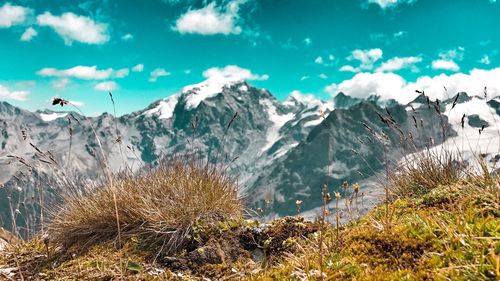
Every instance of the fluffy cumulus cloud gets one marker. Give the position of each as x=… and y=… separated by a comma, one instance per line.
x=232, y=73
x=366, y=58
x=6, y=93
x=106, y=86
x=362, y=85
x=155, y=74
x=211, y=19
x=11, y=15
x=447, y=59
x=29, y=34
x=384, y=4
x=84, y=72
x=73, y=27
x=138, y=68
x=398, y=63
x=348, y=68
x=392, y=86
x=442, y=64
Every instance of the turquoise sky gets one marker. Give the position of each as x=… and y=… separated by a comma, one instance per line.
x=49, y=48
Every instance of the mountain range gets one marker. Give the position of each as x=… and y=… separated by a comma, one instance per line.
x=281, y=153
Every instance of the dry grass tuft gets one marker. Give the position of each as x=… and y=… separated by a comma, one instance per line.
x=424, y=171
x=160, y=207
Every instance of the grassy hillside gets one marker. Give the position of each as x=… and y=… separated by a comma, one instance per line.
x=449, y=230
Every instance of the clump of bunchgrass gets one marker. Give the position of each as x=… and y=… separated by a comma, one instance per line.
x=159, y=206
x=424, y=171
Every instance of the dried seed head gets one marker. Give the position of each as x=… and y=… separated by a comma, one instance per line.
x=337, y=195
x=46, y=238
x=346, y=185
x=328, y=197
x=298, y=202
x=356, y=187
x=59, y=101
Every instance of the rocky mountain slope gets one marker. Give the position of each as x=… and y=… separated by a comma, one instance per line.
x=280, y=152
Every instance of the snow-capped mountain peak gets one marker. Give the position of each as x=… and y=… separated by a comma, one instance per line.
x=165, y=107
x=196, y=93
x=297, y=98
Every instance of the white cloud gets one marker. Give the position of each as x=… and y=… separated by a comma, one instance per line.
x=305, y=77
x=6, y=93
x=11, y=15
x=84, y=72
x=453, y=54
x=29, y=34
x=349, y=68
x=322, y=76
x=393, y=86
x=448, y=59
x=121, y=73
x=485, y=60
x=73, y=27
x=319, y=60
x=128, y=37
x=331, y=57
x=384, y=4
x=366, y=57
x=445, y=65
x=106, y=86
x=307, y=41
x=362, y=85
x=187, y=71
x=232, y=73
x=159, y=72
x=398, y=63
x=399, y=34
x=211, y=19
x=138, y=68
x=388, y=38
x=60, y=84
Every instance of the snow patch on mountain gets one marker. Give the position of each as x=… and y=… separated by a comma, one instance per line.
x=313, y=122
x=472, y=140
x=165, y=108
x=243, y=88
x=298, y=98
x=197, y=93
x=52, y=116
x=278, y=121
x=282, y=151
